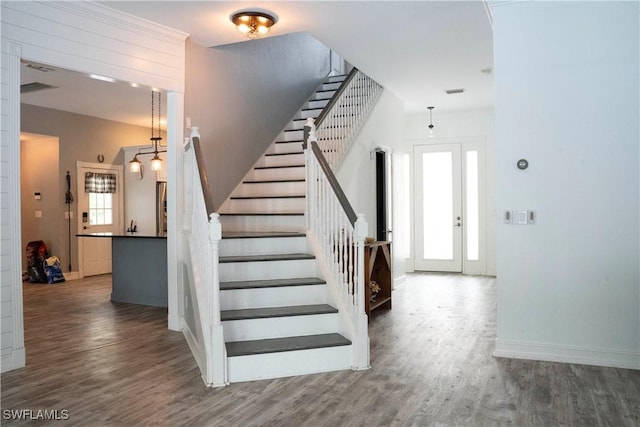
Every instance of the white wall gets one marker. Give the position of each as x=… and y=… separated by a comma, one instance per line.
x=90, y=38
x=567, y=95
x=357, y=174
x=450, y=127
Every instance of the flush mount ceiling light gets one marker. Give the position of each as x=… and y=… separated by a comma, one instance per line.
x=156, y=162
x=253, y=23
x=430, y=121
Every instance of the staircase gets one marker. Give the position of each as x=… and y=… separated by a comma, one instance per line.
x=277, y=314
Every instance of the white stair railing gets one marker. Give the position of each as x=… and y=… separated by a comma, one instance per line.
x=337, y=236
x=343, y=117
x=203, y=232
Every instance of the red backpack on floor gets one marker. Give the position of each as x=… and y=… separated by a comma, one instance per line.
x=36, y=254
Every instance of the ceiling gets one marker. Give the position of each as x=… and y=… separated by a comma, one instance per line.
x=416, y=49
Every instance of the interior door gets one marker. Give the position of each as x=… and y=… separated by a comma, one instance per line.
x=98, y=212
x=438, y=207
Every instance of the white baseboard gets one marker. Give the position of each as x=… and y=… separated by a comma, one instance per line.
x=13, y=359
x=194, y=346
x=399, y=281
x=71, y=275
x=567, y=354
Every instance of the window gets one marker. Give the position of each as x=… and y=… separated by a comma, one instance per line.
x=100, y=209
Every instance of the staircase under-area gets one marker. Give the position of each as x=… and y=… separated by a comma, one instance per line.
x=278, y=317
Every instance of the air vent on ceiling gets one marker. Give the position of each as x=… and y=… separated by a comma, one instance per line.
x=452, y=91
x=34, y=87
x=38, y=67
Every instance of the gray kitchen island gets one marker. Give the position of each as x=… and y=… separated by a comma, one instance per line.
x=139, y=268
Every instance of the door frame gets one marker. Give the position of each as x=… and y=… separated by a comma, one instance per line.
x=470, y=143
x=80, y=186
x=455, y=264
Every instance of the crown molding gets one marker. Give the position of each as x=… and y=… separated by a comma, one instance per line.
x=112, y=17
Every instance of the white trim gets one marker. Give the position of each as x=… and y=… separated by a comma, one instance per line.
x=80, y=190
x=175, y=301
x=90, y=38
x=567, y=354
x=399, y=281
x=194, y=347
x=14, y=51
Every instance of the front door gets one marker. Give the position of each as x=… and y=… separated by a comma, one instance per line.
x=449, y=190
x=438, y=208
x=99, y=211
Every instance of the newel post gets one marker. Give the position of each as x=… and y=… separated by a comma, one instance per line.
x=217, y=369
x=361, y=356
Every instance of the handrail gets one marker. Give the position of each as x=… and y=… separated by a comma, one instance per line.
x=336, y=96
x=343, y=117
x=333, y=181
x=204, y=180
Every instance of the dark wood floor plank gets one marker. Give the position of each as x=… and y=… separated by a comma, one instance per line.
x=117, y=365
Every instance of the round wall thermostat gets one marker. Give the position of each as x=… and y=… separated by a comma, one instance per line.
x=100, y=158
x=522, y=164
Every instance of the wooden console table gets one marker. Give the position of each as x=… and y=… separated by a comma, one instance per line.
x=377, y=267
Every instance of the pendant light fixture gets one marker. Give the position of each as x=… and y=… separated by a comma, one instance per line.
x=430, y=122
x=135, y=165
x=253, y=23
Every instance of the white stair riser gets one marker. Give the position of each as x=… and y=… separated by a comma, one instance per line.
x=285, y=160
x=293, y=135
x=331, y=86
x=267, y=270
x=295, y=125
x=288, y=363
x=322, y=95
x=304, y=114
x=291, y=147
x=280, y=327
x=335, y=79
x=270, y=188
x=317, y=104
x=288, y=205
x=238, y=299
x=263, y=246
x=276, y=173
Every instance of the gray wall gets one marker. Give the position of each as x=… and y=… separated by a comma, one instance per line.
x=39, y=163
x=81, y=138
x=243, y=94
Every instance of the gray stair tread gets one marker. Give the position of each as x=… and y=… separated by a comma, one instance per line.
x=273, y=283
x=269, y=181
x=262, y=214
x=269, y=312
x=257, y=258
x=296, y=153
x=282, y=196
x=295, y=141
x=260, y=234
x=278, y=345
x=278, y=167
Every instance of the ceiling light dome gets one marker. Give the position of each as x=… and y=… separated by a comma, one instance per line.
x=253, y=23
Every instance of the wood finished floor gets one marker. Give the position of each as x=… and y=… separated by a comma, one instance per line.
x=117, y=365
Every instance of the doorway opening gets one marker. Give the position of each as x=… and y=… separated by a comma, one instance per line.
x=449, y=207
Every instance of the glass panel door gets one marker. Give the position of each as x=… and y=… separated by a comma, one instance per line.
x=438, y=207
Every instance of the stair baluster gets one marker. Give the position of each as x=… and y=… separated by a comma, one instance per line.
x=337, y=235
x=202, y=232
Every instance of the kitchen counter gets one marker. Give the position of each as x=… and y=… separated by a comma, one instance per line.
x=128, y=235
x=139, y=268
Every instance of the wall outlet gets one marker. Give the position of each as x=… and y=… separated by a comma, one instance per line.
x=38, y=214
x=68, y=215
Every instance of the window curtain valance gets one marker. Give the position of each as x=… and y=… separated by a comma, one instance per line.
x=99, y=182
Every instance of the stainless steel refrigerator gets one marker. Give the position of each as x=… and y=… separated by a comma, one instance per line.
x=161, y=208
